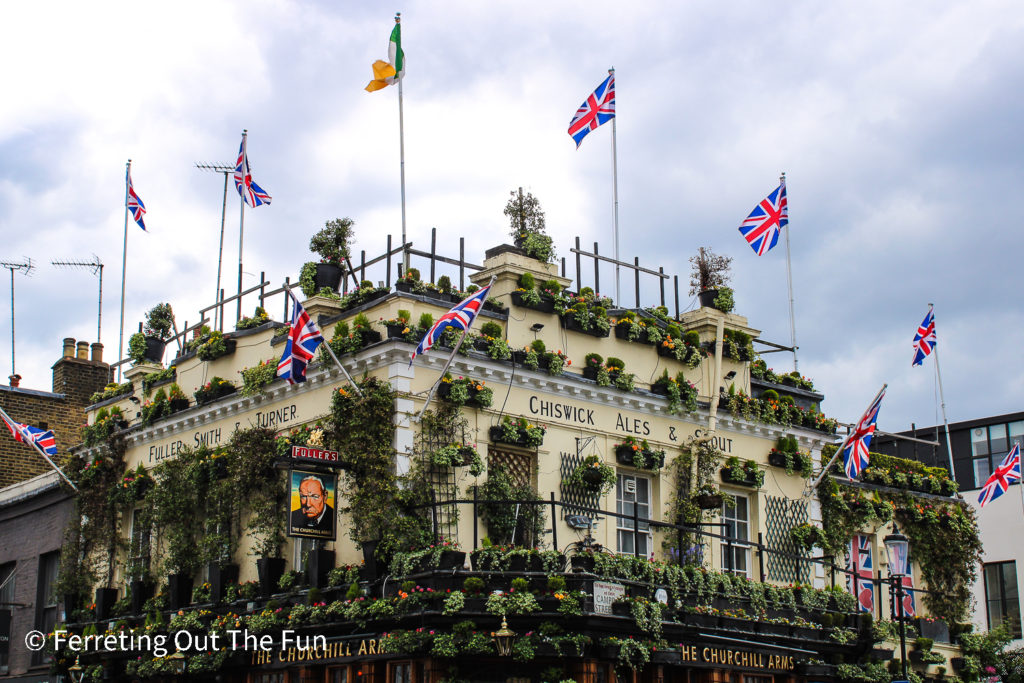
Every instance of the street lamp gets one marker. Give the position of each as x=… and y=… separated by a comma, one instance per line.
x=503, y=638
x=76, y=672
x=179, y=661
x=897, y=547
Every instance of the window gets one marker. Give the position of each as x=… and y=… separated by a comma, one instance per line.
x=735, y=558
x=138, y=559
x=989, y=445
x=303, y=547
x=401, y=673
x=633, y=492
x=339, y=675
x=46, y=601
x=1001, y=598
x=7, y=579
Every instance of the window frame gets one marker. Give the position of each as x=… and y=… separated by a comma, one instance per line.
x=1002, y=598
x=740, y=545
x=624, y=525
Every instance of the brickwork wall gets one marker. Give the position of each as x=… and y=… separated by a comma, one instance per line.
x=63, y=411
x=42, y=519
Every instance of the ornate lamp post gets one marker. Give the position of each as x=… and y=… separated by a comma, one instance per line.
x=503, y=638
x=897, y=547
x=76, y=672
x=179, y=661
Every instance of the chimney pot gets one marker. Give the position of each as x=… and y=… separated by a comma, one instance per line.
x=83, y=350
x=97, y=352
x=69, y=347
x=15, y=380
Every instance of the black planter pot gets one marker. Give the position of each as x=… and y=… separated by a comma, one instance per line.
x=451, y=559
x=707, y=298
x=582, y=563
x=569, y=323
x=915, y=656
x=750, y=481
x=957, y=663
x=482, y=345
x=155, y=349
x=777, y=458
x=708, y=501
x=370, y=337
x=590, y=373
x=497, y=436
x=404, y=286
x=328, y=275
x=269, y=570
x=141, y=592
x=220, y=577
x=622, y=332
x=546, y=305
x=177, y=404
x=71, y=602
x=180, y=590
x=517, y=563
x=592, y=478
x=105, y=599
x=395, y=331
x=371, y=566
x=320, y=563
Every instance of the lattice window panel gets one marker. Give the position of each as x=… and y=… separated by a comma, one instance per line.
x=782, y=514
x=518, y=466
x=574, y=496
x=443, y=480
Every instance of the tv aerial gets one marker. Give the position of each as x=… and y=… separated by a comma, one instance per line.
x=96, y=266
x=25, y=268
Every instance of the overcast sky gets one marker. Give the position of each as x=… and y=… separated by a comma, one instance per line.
x=898, y=126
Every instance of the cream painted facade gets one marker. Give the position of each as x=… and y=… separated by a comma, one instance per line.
x=567, y=405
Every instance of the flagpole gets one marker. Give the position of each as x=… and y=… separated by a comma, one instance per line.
x=942, y=400
x=401, y=141
x=241, y=223
x=124, y=263
x=615, y=195
x=220, y=257
x=842, y=446
x=433, y=387
x=330, y=351
x=31, y=441
x=789, y=282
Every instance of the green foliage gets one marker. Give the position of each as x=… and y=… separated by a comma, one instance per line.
x=501, y=519
x=361, y=427
x=159, y=321
x=307, y=279
x=332, y=242
x=593, y=475
x=259, y=317
x=213, y=347
x=724, y=301
x=491, y=329
x=137, y=348
x=254, y=379
x=426, y=321
x=527, y=282
x=526, y=221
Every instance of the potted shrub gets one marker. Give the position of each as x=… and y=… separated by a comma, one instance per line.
x=592, y=364
x=216, y=388
x=526, y=221
x=709, y=272
x=745, y=473
x=410, y=282
x=149, y=345
x=332, y=244
x=176, y=398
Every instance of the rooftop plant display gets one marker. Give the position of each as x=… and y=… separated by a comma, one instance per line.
x=527, y=228
x=709, y=271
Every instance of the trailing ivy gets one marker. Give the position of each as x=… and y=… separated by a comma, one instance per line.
x=943, y=536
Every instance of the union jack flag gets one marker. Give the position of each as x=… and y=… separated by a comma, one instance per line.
x=598, y=108
x=1007, y=473
x=924, y=340
x=859, y=562
x=461, y=317
x=252, y=194
x=909, y=608
x=303, y=339
x=27, y=433
x=761, y=228
x=134, y=204
x=855, y=452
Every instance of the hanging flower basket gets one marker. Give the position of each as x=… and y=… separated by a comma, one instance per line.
x=708, y=501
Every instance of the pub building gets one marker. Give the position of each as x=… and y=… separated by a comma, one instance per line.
x=629, y=499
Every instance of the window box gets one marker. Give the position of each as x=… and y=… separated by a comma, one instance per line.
x=569, y=323
x=546, y=305
x=750, y=480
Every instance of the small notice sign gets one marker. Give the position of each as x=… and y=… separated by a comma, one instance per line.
x=605, y=594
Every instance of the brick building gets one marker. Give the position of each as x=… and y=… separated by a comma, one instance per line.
x=36, y=509
x=76, y=376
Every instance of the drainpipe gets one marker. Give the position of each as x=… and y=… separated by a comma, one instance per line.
x=716, y=375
